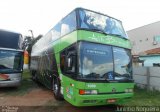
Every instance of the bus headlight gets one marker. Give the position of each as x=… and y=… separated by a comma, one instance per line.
x=87, y=92
x=129, y=90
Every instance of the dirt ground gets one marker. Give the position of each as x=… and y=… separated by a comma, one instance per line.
x=39, y=99
x=35, y=97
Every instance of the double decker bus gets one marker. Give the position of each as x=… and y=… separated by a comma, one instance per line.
x=85, y=59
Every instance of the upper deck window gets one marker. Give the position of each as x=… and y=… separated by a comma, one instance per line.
x=96, y=21
x=82, y=19
x=68, y=24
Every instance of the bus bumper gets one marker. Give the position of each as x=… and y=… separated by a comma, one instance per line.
x=94, y=100
x=12, y=80
x=10, y=83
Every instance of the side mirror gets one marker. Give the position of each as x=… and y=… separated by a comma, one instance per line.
x=69, y=62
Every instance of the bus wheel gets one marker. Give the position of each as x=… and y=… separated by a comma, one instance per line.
x=34, y=75
x=56, y=87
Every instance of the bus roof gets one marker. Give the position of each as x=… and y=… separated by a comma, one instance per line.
x=10, y=39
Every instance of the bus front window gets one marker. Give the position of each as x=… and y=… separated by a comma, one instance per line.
x=122, y=62
x=95, y=60
x=104, y=62
x=10, y=61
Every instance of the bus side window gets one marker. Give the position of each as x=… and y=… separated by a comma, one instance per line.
x=68, y=61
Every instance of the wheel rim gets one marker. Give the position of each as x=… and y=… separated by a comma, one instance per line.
x=55, y=87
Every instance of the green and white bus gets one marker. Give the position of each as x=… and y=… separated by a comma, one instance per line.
x=85, y=59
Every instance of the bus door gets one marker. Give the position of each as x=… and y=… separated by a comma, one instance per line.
x=69, y=71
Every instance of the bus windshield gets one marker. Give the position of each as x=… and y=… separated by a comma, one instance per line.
x=10, y=61
x=98, y=22
x=103, y=62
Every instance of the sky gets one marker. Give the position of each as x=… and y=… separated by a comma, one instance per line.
x=41, y=15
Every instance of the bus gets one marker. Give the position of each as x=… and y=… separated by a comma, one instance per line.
x=11, y=59
x=85, y=59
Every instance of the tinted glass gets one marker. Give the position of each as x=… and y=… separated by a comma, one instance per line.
x=122, y=62
x=65, y=26
x=10, y=61
x=103, y=62
x=95, y=21
x=95, y=60
x=56, y=31
x=10, y=40
x=68, y=24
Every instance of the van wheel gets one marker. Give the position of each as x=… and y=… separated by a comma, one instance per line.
x=56, y=87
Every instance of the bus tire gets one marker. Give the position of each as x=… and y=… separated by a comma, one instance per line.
x=56, y=88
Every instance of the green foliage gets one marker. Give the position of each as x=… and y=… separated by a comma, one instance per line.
x=29, y=42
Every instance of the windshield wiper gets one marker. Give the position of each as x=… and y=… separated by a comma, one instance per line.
x=115, y=76
x=122, y=76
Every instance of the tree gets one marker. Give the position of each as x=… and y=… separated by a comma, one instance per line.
x=28, y=43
